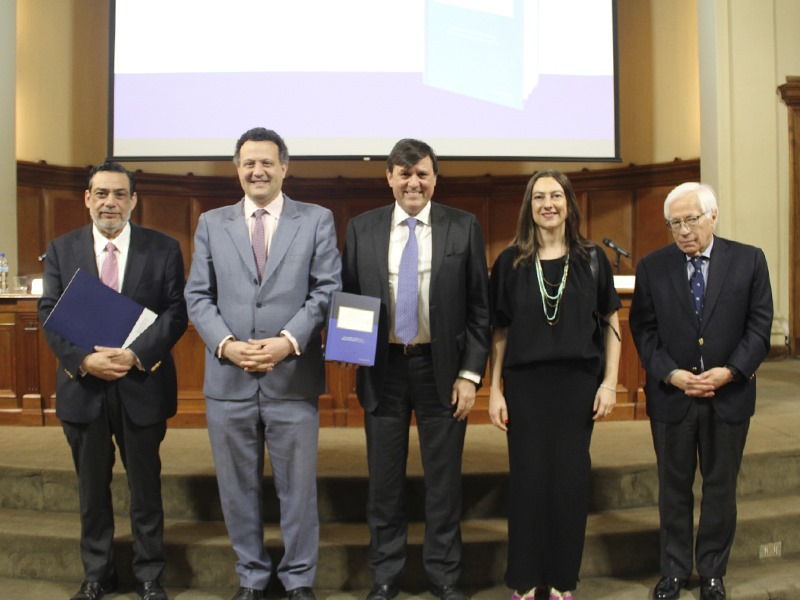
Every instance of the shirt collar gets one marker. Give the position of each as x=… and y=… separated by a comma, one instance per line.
x=706, y=253
x=399, y=215
x=274, y=208
x=122, y=241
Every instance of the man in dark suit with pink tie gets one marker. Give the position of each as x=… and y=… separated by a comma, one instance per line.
x=122, y=395
x=701, y=317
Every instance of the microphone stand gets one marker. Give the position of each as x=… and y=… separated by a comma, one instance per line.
x=617, y=259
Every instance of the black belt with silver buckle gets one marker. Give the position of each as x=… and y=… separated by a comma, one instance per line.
x=412, y=349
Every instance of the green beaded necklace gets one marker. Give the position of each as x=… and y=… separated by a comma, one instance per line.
x=553, y=301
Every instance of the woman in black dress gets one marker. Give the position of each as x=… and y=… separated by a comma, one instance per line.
x=555, y=356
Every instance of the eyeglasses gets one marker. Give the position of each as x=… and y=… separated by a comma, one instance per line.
x=691, y=223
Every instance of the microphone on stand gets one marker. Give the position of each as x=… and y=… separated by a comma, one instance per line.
x=611, y=244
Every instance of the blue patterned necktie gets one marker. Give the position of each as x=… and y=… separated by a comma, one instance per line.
x=405, y=318
x=698, y=285
x=259, y=241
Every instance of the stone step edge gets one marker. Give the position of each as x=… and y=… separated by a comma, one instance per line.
x=764, y=580
x=60, y=525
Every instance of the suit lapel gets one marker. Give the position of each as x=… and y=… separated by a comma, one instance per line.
x=282, y=237
x=717, y=271
x=440, y=226
x=237, y=230
x=83, y=249
x=135, y=265
x=381, y=230
x=680, y=281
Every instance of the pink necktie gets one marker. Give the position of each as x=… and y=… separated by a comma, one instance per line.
x=110, y=271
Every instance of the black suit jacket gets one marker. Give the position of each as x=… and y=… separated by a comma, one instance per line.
x=154, y=278
x=459, y=304
x=735, y=330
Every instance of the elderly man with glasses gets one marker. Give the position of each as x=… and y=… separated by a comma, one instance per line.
x=701, y=317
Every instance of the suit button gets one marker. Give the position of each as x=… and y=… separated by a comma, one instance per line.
x=258, y=305
x=700, y=341
x=694, y=369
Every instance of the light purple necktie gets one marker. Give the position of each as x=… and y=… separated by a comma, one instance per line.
x=406, y=324
x=109, y=274
x=259, y=241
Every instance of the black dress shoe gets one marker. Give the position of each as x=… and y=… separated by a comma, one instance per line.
x=151, y=590
x=248, y=594
x=448, y=592
x=712, y=588
x=95, y=590
x=668, y=588
x=383, y=591
x=301, y=593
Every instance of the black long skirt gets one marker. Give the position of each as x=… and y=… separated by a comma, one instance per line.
x=549, y=432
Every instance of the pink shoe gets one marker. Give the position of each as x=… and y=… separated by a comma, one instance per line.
x=556, y=595
x=529, y=595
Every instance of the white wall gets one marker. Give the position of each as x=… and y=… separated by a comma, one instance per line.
x=747, y=48
x=8, y=163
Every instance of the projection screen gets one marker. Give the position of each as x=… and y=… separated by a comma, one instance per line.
x=477, y=79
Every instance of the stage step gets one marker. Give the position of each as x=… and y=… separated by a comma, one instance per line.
x=620, y=543
x=771, y=579
x=39, y=525
x=342, y=499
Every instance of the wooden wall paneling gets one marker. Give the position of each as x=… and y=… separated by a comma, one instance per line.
x=27, y=333
x=503, y=216
x=609, y=214
x=651, y=232
x=170, y=215
x=9, y=387
x=189, y=356
x=30, y=227
x=64, y=210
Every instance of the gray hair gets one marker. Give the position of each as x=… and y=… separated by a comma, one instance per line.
x=704, y=192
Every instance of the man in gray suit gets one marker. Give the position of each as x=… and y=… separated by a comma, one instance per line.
x=261, y=278
x=433, y=341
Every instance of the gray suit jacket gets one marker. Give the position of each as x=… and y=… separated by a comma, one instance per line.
x=459, y=296
x=225, y=298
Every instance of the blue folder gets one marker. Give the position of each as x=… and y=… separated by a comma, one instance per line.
x=89, y=314
x=352, y=332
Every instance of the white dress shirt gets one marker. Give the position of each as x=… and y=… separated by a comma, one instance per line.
x=398, y=237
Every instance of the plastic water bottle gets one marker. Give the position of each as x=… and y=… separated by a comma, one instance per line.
x=3, y=273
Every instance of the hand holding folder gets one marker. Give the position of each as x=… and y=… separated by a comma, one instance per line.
x=90, y=314
x=352, y=332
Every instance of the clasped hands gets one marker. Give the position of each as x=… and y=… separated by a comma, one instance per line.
x=108, y=364
x=258, y=355
x=703, y=385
